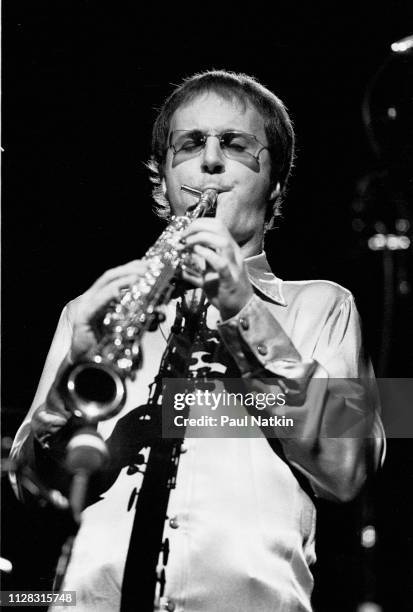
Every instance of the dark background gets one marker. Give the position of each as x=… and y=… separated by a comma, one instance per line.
x=81, y=82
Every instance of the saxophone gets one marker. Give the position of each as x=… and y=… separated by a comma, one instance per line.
x=95, y=388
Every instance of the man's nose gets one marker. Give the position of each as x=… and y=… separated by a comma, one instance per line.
x=213, y=159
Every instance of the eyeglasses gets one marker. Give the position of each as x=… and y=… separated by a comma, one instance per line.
x=235, y=145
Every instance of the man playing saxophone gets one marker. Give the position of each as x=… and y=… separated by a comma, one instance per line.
x=241, y=518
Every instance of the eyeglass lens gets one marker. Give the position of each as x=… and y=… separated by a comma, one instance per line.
x=234, y=145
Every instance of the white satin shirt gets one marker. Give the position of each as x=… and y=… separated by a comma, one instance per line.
x=243, y=534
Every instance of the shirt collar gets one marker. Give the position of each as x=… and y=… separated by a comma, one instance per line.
x=263, y=279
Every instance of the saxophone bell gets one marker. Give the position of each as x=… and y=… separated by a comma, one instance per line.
x=95, y=391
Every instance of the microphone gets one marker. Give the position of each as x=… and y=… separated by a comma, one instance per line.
x=86, y=454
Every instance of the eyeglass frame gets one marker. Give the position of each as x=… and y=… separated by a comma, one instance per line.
x=220, y=136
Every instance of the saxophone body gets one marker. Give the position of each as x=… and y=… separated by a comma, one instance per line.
x=95, y=389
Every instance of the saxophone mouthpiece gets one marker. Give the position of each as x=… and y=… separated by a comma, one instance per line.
x=206, y=203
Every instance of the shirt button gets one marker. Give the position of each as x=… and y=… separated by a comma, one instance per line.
x=244, y=323
x=167, y=604
x=173, y=522
x=262, y=349
x=183, y=449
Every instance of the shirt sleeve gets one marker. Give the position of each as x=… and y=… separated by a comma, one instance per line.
x=24, y=450
x=337, y=436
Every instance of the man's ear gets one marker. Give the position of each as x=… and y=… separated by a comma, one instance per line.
x=163, y=186
x=275, y=192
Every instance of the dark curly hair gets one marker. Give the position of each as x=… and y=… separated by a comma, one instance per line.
x=229, y=85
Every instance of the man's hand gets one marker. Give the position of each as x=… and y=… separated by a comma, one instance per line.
x=105, y=289
x=225, y=280
x=52, y=415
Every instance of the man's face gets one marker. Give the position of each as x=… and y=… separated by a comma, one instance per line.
x=244, y=187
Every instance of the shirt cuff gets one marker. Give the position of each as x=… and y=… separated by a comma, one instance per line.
x=255, y=330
